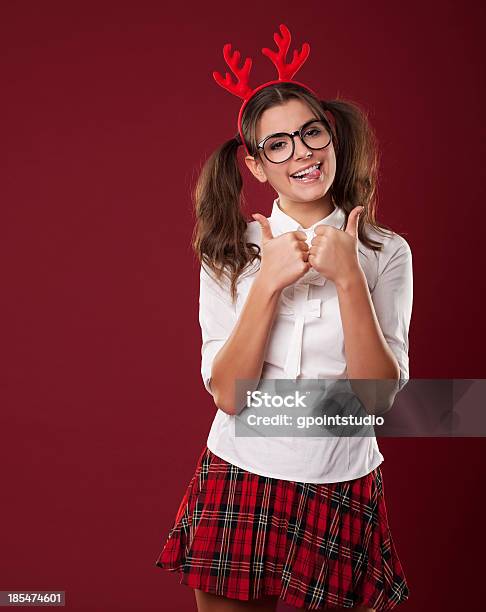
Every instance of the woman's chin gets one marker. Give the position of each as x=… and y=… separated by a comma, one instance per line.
x=311, y=191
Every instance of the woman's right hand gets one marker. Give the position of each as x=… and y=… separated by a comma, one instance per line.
x=284, y=258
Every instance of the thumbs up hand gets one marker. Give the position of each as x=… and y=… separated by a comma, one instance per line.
x=334, y=252
x=284, y=258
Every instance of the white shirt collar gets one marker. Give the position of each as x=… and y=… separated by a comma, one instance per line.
x=281, y=222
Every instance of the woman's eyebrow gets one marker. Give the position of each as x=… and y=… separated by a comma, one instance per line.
x=284, y=132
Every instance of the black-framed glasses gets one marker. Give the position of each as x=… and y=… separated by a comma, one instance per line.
x=278, y=148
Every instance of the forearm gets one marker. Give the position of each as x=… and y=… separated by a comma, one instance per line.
x=368, y=355
x=242, y=356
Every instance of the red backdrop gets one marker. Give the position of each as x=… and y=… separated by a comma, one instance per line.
x=109, y=110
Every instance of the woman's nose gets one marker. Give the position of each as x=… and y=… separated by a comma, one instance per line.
x=300, y=148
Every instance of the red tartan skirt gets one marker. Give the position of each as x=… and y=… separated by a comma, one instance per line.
x=245, y=536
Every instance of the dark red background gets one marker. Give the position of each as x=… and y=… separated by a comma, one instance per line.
x=109, y=109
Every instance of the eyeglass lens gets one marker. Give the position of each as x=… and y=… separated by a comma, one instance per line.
x=279, y=148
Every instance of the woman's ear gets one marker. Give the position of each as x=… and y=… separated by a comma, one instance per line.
x=256, y=168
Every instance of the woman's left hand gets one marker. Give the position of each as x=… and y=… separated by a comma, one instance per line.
x=334, y=252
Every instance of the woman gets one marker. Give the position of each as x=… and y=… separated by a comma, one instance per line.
x=308, y=293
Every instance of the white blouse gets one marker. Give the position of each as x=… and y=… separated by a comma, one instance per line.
x=307, y=341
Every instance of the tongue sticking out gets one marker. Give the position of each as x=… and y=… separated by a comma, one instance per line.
x=310, y=176
x=314, y=174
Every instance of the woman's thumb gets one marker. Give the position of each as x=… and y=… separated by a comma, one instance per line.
x=265, y=225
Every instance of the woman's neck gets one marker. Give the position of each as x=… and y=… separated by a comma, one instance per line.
x=307, y=213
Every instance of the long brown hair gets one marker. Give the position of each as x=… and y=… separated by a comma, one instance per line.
x=219, y=233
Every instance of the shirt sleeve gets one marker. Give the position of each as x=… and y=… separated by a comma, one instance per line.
x=392, y=297
x=217, y=318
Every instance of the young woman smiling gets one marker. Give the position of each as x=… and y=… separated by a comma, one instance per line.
x=318, y=290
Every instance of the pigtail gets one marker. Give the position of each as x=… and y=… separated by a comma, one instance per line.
x=357, y=160
x=219, y=233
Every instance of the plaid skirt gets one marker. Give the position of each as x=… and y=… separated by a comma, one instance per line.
x=245, y=536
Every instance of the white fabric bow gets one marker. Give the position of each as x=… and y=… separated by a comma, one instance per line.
x=301, y=308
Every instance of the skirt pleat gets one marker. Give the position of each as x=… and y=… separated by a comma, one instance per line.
x=245, y=536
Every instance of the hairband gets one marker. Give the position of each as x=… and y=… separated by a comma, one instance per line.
x=286, y=71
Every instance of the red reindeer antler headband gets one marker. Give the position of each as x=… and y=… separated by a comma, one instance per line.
x=241, y=87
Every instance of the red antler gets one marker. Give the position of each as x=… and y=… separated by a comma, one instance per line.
x=286, y=71
x=240, y=88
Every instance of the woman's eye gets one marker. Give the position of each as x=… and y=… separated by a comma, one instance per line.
x=278, y=145
x=313, y=132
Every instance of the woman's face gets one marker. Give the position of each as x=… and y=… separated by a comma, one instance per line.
x=288, y=117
